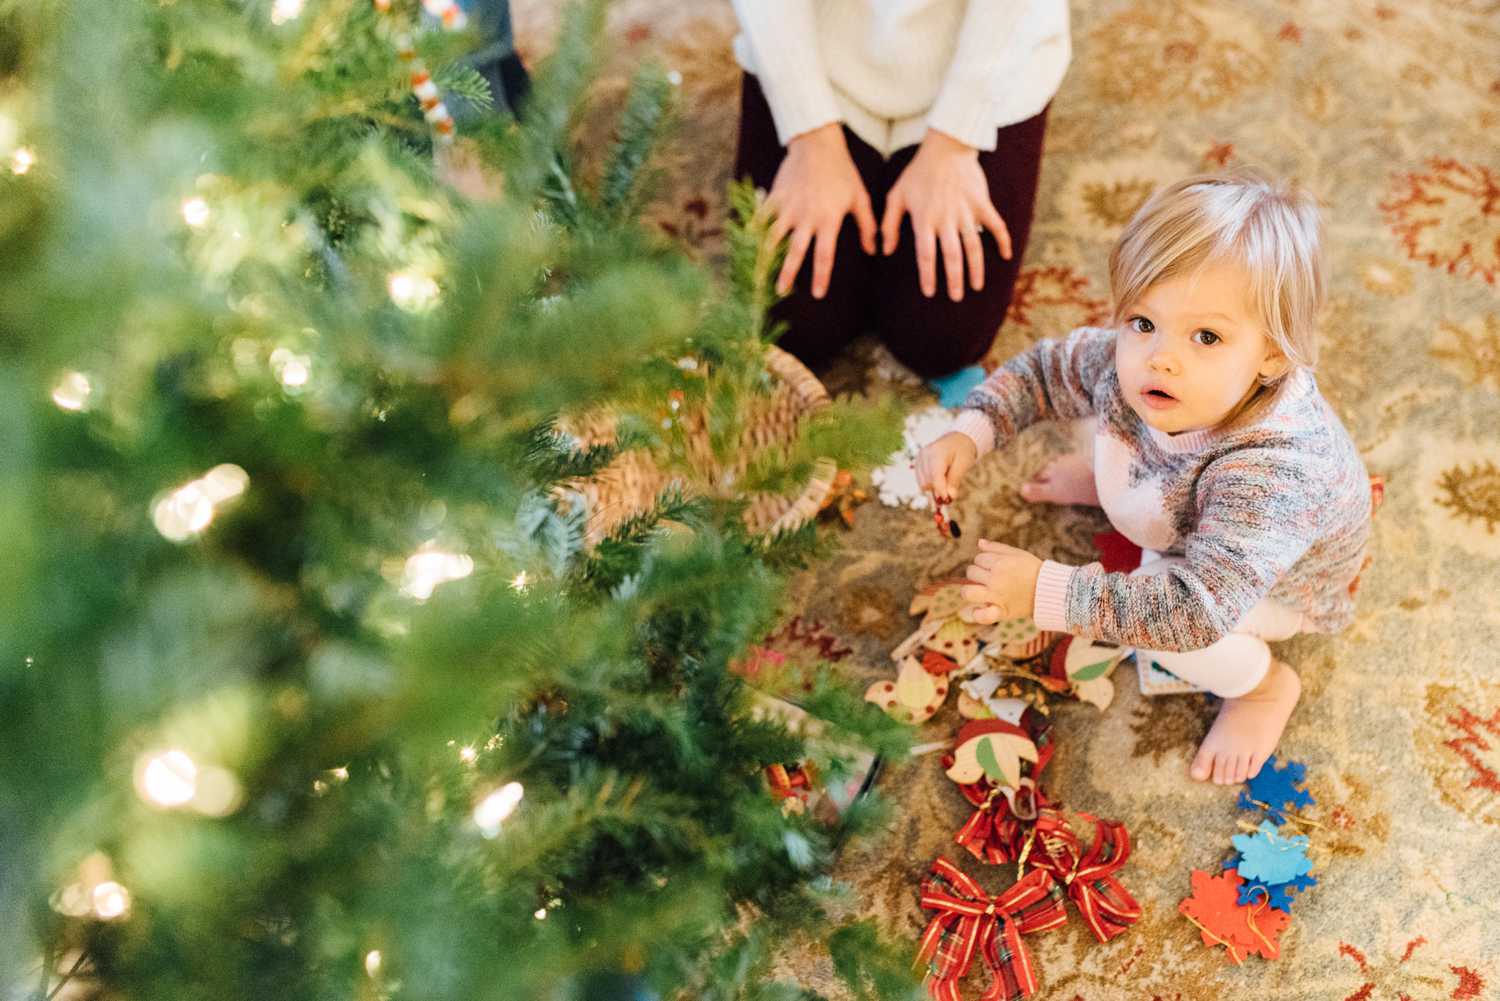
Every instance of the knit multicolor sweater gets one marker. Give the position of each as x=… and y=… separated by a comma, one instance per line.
x=1278, y=507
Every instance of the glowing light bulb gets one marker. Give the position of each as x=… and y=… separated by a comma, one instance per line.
x=22, y=160
x=541, y=914
x=166, y=778
x=182, y=513
x=468, y=755
x=372, y=962
x=111, y=900
x=75, y=900
x=494, y=808
x=412, y=290
x=427, y=568
x=291, y=368
x=224, y=482
x=72, y=391
x=340, y=773
x=520, y=582
x=194, y=211
x=283, y=11
x=218, y=792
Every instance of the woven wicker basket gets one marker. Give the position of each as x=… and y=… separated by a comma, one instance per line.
x=631, y=484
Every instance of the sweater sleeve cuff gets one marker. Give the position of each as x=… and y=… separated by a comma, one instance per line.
x=976, y=424
x=1052, y=596
x=800, y=108
x=968, y=117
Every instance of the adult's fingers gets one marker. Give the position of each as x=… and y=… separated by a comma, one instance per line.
x=780, y=227
x=864, y=218
x=974, y=251
x=794, y=255
x=828, y=239
x=890, y=223
x=926, y=258
x=990, y=217
x=953, y=262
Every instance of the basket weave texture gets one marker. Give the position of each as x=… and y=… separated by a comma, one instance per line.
x=631, y=484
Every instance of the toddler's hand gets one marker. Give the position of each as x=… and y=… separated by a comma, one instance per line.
x=1004, y=583
x=942, y=465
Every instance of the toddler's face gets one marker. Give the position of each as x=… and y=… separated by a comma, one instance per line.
x=1191, y=349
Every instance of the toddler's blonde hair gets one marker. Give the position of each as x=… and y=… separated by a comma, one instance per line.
x=1268, y=227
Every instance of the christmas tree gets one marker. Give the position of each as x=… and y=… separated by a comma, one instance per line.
x=313, y=681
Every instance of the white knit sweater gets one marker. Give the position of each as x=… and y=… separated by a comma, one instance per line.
x=890, y=69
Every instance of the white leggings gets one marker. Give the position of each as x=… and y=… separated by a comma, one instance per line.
x=1238, y=662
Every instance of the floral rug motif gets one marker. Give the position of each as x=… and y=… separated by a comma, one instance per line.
x=1387, y=112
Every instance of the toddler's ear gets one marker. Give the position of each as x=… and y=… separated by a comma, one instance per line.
x=1274, y=366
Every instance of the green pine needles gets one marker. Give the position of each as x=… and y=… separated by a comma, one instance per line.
x=309, y=688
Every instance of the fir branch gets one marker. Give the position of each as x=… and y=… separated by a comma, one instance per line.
x=560, y=85
x=753, y=260
x=552, y=456
x=467, y=83
x=870, y=965
x=643, y=123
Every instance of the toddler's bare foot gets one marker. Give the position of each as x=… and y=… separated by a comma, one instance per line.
x=1066, y=480
x=1247, y=729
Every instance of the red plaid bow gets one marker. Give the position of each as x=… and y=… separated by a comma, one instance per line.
x=994, y=833
x=1089, y=879
x=969, y=921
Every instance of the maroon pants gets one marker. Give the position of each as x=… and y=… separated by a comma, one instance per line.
x=882, y=295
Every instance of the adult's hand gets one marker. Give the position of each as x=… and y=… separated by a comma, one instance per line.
x=945, y=190
x=815, y=187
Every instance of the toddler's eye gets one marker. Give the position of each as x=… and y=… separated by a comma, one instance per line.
x=1207, y=338
x=1140, y=324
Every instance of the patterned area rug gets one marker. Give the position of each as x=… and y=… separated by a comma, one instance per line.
x=1388, y=113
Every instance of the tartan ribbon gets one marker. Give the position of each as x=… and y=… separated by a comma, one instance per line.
x=994, y=833
x=1088, y=878
x=969, y=921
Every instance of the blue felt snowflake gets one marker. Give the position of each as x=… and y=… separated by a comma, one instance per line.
x=1253, y=891
x=1270, y=856
x=1277, y=788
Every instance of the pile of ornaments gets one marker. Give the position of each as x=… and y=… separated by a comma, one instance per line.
x=996, y=763
x=1005, y=673
x=995, y=665
x=1248, y=906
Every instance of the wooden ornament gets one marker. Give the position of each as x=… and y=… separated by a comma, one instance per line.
x=913, y=697
x=992, y=749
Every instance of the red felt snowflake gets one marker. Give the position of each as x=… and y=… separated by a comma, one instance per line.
x=1242, y=928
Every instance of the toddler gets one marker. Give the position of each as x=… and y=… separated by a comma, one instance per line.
x=1211, y=448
